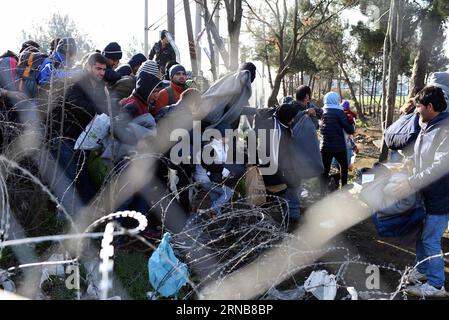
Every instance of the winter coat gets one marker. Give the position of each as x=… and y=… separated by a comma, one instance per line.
x=124, y=70
x=163, y=99
x=334, y=122
x=54, y=66
x=7, y=73
x=163, y=55
x=431, y=173
x=82, y=103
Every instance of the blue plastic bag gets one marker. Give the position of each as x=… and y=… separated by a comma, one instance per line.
x=167, y=274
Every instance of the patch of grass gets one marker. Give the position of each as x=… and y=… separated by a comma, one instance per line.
x=132, y=271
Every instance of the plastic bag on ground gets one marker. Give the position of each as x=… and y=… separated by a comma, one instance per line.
x=167, y=274
x=322, y=285
x=292, y=294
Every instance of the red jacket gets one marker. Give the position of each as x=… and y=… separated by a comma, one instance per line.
x=135, y=105
x=163, y=98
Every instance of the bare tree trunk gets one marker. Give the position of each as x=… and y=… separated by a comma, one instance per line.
x=353, y=95
x=234, y=12
x=429, y=29
x=395, y=44
x=339, y=84
x=213, y=67
x=385, y=65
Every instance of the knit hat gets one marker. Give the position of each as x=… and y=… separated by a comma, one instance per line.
x=66, y=47
x=286, y=113
x=346, y=104
x=113, y=51
x=249, y=66
x=332, y=100
x=149, y=66
x=29, y=44
x=137, y=59
x=175, y=69
x=146, y=82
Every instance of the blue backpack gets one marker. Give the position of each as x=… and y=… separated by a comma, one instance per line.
x=403, y=132
x=399, y=225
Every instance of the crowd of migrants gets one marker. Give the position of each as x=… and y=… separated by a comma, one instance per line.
x=145, y=101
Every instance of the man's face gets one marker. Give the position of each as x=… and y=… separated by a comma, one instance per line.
x=426, y=113
x=307, y=98
x=97, y=71
x=179, y=78
x=165, y=41
x=113, y=64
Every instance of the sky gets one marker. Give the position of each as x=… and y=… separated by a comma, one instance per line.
x=106, y=21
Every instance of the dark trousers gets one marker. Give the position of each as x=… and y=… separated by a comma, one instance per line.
x=342, y=159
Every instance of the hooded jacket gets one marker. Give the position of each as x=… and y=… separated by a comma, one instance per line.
x=334, y=122
x=431, y=173
x=441, y=80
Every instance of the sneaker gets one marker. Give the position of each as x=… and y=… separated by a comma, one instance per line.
x=426, y=290
x=416, y=277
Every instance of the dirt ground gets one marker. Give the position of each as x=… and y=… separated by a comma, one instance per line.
x=362, y=240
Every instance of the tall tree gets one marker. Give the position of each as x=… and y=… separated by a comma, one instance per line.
x=289, y=28
x=395, y=39
x=432, y=20
x=234, y=13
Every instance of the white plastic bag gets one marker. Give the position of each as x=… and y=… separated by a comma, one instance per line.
x=322, y=285
x=95, y=131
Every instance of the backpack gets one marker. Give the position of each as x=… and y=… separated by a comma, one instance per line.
x=27, y=72
x=399, y=225
x=171, y=96
x=402, y=132
x=7, y=73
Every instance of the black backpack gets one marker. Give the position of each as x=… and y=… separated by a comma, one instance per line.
x=27, y=72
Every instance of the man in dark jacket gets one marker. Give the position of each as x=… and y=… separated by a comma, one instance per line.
x=431, y=178
x=163, y=52
x=132, y=66
x=113, y=53
x=303, y=102
x=85, y=99
x=335, y=125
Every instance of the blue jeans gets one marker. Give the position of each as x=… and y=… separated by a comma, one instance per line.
x=292, y=197
x=219, y=195
x=429, y=245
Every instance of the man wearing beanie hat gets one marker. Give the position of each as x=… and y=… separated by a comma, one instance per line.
x=132, y=66
x=163, y=51
x=172, y=94
x=145, y=93
x=113, y=53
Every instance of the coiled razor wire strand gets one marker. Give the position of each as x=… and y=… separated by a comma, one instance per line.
x=4, y=210
x=27, y=173
x=405, y=276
